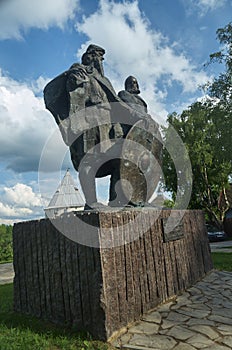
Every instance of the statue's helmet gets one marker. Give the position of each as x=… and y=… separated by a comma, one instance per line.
x=132, y=85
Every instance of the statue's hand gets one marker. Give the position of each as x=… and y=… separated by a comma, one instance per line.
x=76, y=79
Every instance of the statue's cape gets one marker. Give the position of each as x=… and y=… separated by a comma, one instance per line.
x=107, y=87
x=56, y=97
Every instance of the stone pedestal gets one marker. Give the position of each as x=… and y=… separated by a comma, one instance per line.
x=103, y=287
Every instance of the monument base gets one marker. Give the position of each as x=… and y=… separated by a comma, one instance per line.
x=104, y=285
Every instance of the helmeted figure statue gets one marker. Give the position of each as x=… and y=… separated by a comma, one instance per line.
x=131, y=95
x=94, y=122
x=144, y=149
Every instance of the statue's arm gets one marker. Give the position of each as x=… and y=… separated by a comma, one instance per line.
x=76, y=78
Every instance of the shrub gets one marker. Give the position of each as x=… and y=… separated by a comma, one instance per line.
x=6, y=246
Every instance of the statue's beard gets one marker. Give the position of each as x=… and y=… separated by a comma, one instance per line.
x=99, y=66
x=134, y=91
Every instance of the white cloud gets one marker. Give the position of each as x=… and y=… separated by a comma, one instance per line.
x=39, y=84
x=203, y=6
x=21, y=194
x=210, y=5
x=133, y=48
x=9, y=211
x=18, y=202
x=16, y=16
x=25, y=125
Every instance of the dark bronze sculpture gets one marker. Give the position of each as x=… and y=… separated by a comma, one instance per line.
x=131, y=95
x=99, y=127
x=146, y=160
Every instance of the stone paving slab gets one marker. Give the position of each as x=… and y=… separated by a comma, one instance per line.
x=200, y=318
x=6, y=273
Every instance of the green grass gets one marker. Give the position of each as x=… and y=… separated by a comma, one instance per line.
x=6, y=261
x=28, y=333
x=229, y=247
x=222, y=261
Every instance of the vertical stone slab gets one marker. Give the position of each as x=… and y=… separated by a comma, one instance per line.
x=16, y=263
x=101, y=289
x=45, y=261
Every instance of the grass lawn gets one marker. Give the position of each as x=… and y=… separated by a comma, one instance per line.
x=222, y=261
x=27, y=333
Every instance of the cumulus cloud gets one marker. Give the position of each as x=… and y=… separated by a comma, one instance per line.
x=21, y=194
x=134, y=48
x=9, y=211
x=19, y=201
x=25, y=125
x=17, y=16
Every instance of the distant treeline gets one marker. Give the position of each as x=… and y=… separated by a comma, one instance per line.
x=6, y=247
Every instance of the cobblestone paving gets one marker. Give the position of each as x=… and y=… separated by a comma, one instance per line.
x=6, y=273
x=200, y=318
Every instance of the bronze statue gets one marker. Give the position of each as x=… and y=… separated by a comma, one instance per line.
x=95, y=122
x=131, y=95
x=145, y=164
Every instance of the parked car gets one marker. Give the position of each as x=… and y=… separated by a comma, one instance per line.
x=214, y=234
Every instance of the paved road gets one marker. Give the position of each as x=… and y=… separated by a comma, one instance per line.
x=222, y=247
x=6, y=273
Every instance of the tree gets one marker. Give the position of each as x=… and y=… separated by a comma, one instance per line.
x=203, y=131
x=206, y=130
x=221, y=87
x=6, y=250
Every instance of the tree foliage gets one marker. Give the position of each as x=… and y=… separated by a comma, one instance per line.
x=206, y=130
x=221, y=87
x=6, y=250
x=203, y=132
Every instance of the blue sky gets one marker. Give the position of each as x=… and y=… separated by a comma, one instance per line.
x=163, y=43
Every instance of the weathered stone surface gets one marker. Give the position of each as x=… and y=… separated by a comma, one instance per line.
x=227, y=305
x=223, y=312
x=195, y=291
x=145, y=327
x=160, y=342
x=227, y=340
x=206, y=330
x=199, y=341
x=193, y=313
x=221, y=319
x=200, y=306
x=165, y=307
x=167, y=324
x=181, y=301
x=216, y=347
x=153, y=317
x=183, y=346
x=214, y=302
x=135, y=347
x=175, y=316
x=225, y=329
x=180, y=333
x=193, y=333
x=197, y=321
x=103, y=290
